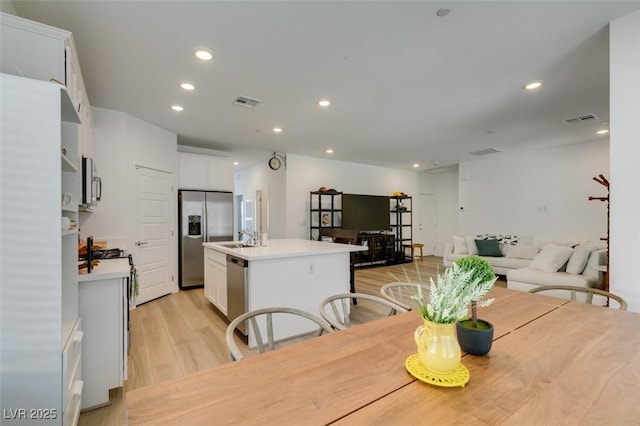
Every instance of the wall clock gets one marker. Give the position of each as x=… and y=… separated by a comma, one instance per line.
x=275, y=163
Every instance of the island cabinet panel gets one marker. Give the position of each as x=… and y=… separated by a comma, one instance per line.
x=215, y=279
x=297, y=282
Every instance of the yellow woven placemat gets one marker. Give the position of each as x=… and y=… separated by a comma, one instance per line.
x=458, y=377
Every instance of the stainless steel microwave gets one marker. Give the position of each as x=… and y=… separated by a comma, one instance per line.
x=91, y=183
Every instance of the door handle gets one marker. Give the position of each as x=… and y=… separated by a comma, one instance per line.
x=140, y=243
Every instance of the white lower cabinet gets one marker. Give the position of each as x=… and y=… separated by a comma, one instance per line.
x=215, y=279
x=104, y=315
x=72, y=376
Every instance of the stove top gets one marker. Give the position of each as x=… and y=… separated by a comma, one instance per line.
x=98, y=254
x=109, y=254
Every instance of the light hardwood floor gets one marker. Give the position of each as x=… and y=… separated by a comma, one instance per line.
x=182, y=333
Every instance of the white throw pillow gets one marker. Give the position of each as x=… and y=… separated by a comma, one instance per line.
x=459, y=245
x=578, y=259
x=472, y=248
x=551, y=258
x=522, y=251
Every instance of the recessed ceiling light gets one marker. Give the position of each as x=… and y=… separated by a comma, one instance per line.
x=177, y=107
x=329, y=151
x=324, y=103
x=602, y=132
x=277, y=129
x=235, y=163
x=442, y=12
x=416, y=165
x=204, y=55
x=533, y=85
x=187, y=86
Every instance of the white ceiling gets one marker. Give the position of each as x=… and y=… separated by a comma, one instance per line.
x=406, y=85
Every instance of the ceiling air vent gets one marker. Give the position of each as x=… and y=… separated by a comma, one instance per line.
x=579, y=120
x=246, y=102
x=486, y=151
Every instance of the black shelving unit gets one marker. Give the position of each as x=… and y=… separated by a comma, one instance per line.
x=401, y=225
x=325, y=211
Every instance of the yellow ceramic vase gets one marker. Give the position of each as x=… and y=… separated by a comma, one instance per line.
x=438, y=346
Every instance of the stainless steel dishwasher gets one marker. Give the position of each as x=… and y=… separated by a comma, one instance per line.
x=237, y=289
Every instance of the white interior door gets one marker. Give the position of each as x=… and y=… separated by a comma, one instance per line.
x=152, y=231
x=426, y=221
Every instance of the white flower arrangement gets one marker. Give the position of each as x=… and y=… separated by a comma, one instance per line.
x=451, y=295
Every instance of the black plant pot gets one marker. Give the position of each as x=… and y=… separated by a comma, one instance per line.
x=475, y=341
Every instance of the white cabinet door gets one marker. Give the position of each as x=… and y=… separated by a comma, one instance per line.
x=210, y=288
x=215, y=279
x=193, y=172
x=220, y=174
x=72, y=376
x=21, y=38
x=220, y=272
x=204, y=172
x=103, y=346
x=56, y=58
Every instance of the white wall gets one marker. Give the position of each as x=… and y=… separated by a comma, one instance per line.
x=305, y=174
x=121, y=141
x=110, y=218
x=501, y=194
x=261, y=177
x=537, y=192
x=625, y=158
x=151, y=146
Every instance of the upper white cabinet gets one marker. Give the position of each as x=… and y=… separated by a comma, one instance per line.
x=204, y=172
x=193, y=172
x=34, y=50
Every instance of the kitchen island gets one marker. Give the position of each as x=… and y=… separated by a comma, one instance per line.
x=288, y=272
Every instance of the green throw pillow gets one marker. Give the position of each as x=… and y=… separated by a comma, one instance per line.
x=489, y=248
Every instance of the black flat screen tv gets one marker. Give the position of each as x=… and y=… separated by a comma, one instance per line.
x=366, y=213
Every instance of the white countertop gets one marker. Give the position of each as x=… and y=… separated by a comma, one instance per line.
x=106, y=269
x=282, y=248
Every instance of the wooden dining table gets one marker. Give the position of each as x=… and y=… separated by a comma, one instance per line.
x=552, y=361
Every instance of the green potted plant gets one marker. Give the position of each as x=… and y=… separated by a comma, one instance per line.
x=447, y=303
x=476, y=335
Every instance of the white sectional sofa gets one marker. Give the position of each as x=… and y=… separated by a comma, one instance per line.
x=528, y=263
x=464, y=246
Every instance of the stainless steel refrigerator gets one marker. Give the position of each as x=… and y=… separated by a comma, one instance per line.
x=205, y=216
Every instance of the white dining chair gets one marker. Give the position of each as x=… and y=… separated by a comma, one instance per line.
x=264, y=317
x=338, y=311
x=402, y=293
x=588, y=294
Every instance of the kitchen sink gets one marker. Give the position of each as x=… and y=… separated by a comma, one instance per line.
x=237, y=245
